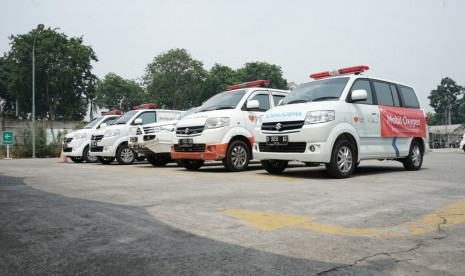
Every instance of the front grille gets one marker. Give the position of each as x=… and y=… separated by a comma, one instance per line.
x=297, y=147
x=149, y=130
x=67, y=140
x=194, y=148
x=96, y=138
x=96, y=149
x=282, y=126
x=192, y=130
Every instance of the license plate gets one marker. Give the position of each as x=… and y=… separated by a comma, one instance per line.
x=133, y=139
x=93, y=144
x=185, y=143
x=276, y=140
x=65, y=146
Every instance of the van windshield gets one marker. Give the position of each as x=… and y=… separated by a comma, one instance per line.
x=124, y=118
x=320, y=90
x=223, y=100
x=92, y=123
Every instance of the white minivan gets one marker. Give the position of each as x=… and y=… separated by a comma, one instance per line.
x=112, y=142
x=76, y=144
x=154, y=140
x=340, y=119
x=221, y=129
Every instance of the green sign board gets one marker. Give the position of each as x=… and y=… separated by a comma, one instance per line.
x=7, y=137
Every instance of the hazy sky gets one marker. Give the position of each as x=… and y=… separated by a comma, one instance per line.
x=414, y=42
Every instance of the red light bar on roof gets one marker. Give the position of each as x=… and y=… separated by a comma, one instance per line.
x=145, y=106
x=342, y=71
x=256, y=83
x=113, y=112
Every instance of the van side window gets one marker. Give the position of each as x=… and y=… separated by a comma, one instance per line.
x=363, y=84
x=148, y=117
x=277, y=98
x=409, y=99
x=263, y=100
x=383, y=93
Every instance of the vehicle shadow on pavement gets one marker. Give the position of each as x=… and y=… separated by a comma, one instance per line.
x=45, y=234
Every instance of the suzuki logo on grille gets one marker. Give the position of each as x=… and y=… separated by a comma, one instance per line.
x=278, y=126
x=186, y=131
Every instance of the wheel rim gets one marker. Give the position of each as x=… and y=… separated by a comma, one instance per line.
x=91, y=158
x=416, y=156
x=344, y=159
x=239, y=156
x=127, y=155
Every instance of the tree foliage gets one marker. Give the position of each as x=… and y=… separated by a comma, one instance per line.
x=263, y=71
x=445, y=99
x=174, y=79
x=114, y=92
x=63, y=77
x=217, y=79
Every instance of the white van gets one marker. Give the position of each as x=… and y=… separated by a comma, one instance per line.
x=112, y=142
x=340, y=119
x=154, y=140
x=76, y=144
x=221, y=129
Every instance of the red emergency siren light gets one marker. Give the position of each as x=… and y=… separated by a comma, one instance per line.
x=257, y=83
x=145, y=106
x=113, y=112
x=343, y=71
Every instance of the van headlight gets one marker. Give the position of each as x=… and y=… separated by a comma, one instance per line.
x=78, y=136
x=319, y=116
x=111, y=133
x=216, y=122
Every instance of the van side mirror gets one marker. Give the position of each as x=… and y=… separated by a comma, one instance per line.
x=253, y=104
x=359, y=95
x=138, y=121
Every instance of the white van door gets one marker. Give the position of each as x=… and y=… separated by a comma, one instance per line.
x=366, y=120
x=251, y=116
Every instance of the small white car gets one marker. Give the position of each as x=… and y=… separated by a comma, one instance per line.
x=340, y=119
x=222, y=128
x=76, y=144
x=112, y=142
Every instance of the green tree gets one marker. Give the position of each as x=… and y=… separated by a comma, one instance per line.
x=217, y=79
x=175, y=79
x=445, y=99
x=114, y=92
x=63, y=77
x=263, y=71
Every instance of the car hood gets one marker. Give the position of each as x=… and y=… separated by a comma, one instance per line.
x=293, y=112
x=199, y=119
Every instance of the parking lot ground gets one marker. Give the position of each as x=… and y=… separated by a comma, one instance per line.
x=67, y=218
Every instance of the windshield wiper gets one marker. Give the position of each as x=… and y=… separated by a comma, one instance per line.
x=296, y=101
x=324, y=98
x=216, y=108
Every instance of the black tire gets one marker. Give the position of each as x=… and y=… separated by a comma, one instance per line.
x=87, y=157
x=414, y=160
x=158, y=160
x=76, y=159
x=343, y=160
x=274, y=166
x=190, y=164
x=105, y=160
x=237, y=156
x=125, y=155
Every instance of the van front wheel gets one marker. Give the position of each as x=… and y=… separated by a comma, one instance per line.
x=342, y=163
x=237, y=156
